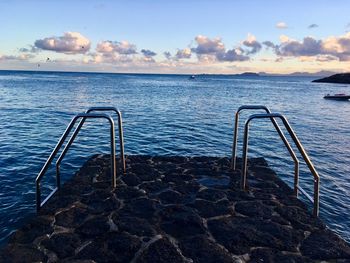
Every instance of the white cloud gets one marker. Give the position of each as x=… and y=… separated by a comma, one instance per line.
x=21, y=57
x=183, y=53
x=69, y=43
x=252, y=43
x=322, y=50
x=207, y=49
x=206, y=45
x=148, y=53
x=281, y=25
x=123, y=47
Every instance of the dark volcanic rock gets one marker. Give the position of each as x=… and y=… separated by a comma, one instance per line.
x=63, y=244
x=141, y=207
x=272, y=255
x=134, y=225
x=299, y=218
x=160, y=251
x=209, y=209
x=202, y=250
x=179, y=221
x=131, y=179
x=254, y=209
x=324, y=244
x=211, y=194
x=154, y=186
x=37, y=227
x=94, y=227
x=343, y=78
x=123, y=245
x=21, y=253
x=73, y=217
x=238, y=235
x=171, y=197
x=103, y=206
x=95, y=250
x=127, y=193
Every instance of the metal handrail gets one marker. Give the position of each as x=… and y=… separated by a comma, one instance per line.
x=300, y=148
x=76, y=131
x=280, y=133
x=39, y=204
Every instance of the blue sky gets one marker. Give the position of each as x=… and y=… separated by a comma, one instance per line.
x=210, y=36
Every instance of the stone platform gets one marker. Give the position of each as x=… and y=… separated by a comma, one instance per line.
x=174, y=209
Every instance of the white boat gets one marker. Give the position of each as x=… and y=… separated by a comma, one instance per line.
x=338, y=96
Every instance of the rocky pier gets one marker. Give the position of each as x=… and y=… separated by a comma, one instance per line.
x=174, y=209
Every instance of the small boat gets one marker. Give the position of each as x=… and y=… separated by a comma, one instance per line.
x=338, y=96
x=192, y=77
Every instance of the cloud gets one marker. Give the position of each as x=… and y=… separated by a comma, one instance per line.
x=325, y=58
x=206, y=45
x=281, y=25
x=313, y=26
x=148, y=53
x=123, y=47
x=322, y=50
x=167, y=55
x=209, y=50
x=232, y=55
x=183, y=53
x=69, y=43
x=21, y=57
x=308, y=47
x=31, y=49
x=252, y=43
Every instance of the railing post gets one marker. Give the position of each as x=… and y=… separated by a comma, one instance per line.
x=38, y=196
x=316, y=196
x=234, y=145
x=113, y=162
x=244, y=156
x=121, y=140
x=296, y=178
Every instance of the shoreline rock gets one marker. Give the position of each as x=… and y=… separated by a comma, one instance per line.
x=342, y=78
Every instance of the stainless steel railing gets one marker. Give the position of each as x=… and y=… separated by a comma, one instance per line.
x=315, y=199
x=280, y=133
x=76, y=131
x=84, y=116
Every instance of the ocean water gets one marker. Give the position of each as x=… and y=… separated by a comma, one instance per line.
x=168, y=115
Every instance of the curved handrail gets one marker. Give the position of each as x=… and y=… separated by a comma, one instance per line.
x=280, y=133
x=39, y=204
x=297, y=143
x=76, y=131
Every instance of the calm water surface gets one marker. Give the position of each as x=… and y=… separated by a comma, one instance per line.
x=168, y=115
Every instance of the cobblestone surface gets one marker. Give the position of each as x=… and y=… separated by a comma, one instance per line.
x=174, y=209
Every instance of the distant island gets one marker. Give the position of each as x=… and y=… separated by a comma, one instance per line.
x=342, y=78
x=248, y=74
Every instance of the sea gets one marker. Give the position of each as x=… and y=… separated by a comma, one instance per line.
x=169, y=115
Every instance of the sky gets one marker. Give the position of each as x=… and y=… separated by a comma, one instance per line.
x=183, y=36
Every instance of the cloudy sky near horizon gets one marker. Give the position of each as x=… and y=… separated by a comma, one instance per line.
x=193, y=36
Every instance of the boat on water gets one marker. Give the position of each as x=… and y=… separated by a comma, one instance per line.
x=192, y=77
x=338, y=96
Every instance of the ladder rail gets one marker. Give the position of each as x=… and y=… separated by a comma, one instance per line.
x=297, y=143
x=64, y=136
x=76, y=131
x=280, y=133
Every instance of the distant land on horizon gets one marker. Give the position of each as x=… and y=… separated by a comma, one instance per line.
x=322, y=73
x=342, y=78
